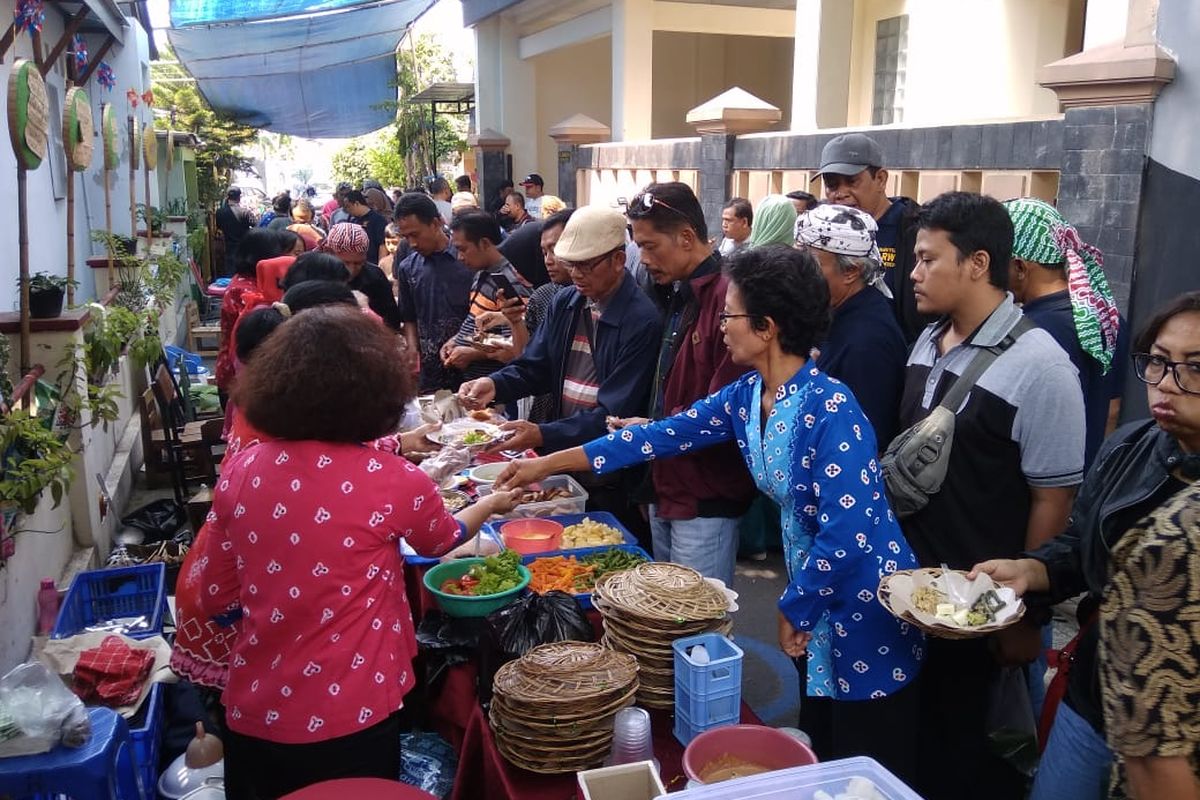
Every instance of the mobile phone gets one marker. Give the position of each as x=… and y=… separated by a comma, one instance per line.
x=505, y=285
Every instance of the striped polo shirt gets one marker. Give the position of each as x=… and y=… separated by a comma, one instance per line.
x=581, y=385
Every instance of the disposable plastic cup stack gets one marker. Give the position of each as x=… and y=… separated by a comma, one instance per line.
x=632, y=738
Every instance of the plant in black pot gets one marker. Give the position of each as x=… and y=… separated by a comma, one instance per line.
x=46, y=294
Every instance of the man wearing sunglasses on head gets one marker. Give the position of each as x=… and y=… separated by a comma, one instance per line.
x=696, y=499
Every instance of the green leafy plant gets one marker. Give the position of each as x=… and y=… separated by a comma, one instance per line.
x=155, y=216
x=109, y=330
x=34, y=458
x=45, y=282
x=177, y=207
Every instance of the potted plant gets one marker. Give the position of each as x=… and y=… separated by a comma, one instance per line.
x=46, y=293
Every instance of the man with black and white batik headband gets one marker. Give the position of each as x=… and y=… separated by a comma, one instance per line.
x=865, y=348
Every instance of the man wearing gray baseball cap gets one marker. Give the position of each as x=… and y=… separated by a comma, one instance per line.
x=853, y=173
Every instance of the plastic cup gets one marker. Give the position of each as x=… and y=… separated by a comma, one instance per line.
x=632, y=738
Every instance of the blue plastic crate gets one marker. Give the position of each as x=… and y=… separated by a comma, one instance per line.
x=567, y=520
x=686, y=729
x=707, y=709
x=585, y=598
x=106, y=594
x=723, y=672
x=411, y=557
x=147, y=738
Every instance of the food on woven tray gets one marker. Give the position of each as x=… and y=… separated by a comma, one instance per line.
x=493, y=575
x=934, y=601
x=589, y=533
x=578, y=575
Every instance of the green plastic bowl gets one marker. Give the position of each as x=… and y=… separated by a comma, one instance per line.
x=456, y=605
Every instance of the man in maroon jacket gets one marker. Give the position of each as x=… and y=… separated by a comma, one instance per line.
x=697, y=498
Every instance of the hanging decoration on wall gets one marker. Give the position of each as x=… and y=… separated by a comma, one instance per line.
x=132, y=96
x=148, y=98
x=150, y=146
x=79, y=52
x=78, y=129
x=28, y=114
x=105, y=76
x=29, y=16
x=108, y=133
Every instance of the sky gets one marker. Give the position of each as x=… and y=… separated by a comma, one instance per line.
x=443, y=21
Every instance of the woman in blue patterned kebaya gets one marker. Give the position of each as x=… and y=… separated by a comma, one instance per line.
x=810, y=448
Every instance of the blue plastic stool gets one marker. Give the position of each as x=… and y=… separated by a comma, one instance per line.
x=102, y=768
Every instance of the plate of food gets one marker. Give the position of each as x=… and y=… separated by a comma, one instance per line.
x=490, y=341
x=946, y=604
x=466, y=433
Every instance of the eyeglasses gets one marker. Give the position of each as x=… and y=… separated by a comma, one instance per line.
x=644, y=202
x=585, y=267
x=724, y=317
x=1151, y=369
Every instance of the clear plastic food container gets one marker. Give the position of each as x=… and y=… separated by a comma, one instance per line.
x=812, y=782
x=573, y=503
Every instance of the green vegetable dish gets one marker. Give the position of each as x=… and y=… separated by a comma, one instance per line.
x=476, y=437
x=493, y=575
x=613, y=560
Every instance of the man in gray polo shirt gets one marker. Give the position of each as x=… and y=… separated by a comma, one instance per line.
x=1016, y=459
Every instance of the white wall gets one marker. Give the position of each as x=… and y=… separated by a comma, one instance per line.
x=564, y=89
x=691, y=68
x=1173, y=136
x=48, y=207
x=966, y=60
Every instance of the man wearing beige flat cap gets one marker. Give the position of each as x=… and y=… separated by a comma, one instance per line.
x=594, y=352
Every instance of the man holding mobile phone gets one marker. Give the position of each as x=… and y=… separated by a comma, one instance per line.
x=474, y=351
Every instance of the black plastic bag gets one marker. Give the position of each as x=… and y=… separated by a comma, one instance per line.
x=157, y=520
x=540, y=619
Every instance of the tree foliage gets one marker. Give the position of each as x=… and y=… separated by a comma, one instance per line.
x=350, y=163
x=219, y=157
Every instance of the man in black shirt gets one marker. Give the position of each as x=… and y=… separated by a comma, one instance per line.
x=233, y=221
x=853, y=173
x=371, y=221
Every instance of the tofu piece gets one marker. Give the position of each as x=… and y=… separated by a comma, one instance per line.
x=945, y=610
x=960, y=617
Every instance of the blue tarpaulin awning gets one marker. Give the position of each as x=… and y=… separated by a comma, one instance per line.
x=323, y=73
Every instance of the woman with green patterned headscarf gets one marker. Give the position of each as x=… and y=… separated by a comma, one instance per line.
x=1059, y=281
x=774, y=222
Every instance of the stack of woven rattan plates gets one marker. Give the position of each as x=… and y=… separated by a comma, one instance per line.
x=648, y=607
x=553, y=708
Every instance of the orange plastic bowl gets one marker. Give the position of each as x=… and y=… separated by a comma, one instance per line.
x=533, y=535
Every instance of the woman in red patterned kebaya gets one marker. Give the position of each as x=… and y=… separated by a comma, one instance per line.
x=304, y=545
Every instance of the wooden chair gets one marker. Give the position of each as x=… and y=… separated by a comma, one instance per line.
x=175, y=448
x=199, y=333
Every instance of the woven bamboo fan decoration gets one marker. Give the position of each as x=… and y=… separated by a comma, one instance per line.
x=28, y=114
x=78, y=129
x=647, y=608
x=150, y=146
x=552, y=709
x=108, y=134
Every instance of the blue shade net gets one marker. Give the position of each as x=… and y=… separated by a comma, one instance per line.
x=323, y=74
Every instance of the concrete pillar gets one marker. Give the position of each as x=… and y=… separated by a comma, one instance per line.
x=491, y=162
x=505, y=90
x=569, y=135
x=719, y=122
x=633, y=68
x=821, y=94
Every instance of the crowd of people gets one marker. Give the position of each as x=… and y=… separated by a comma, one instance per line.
x=770, y=378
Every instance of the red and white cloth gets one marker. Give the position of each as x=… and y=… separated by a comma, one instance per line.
x=113, y=673
x=304, y=538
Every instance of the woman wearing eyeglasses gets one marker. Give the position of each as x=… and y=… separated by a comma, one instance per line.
x=810, y=448
x=1138, y=470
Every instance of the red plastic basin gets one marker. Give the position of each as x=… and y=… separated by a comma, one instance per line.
x=757, y=744
x=532, y=535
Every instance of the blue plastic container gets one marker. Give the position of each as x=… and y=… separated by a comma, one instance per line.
x=147, y=737
x=709, y=709
x=567, y=520
x=106, y=594
x=585, y=598
x=721, y=674
x=411, y=557
x=686, y=729
x=103, y=769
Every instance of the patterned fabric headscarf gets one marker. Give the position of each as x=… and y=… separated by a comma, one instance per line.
x=845, y=231
x=1044, y=236
x=347, y=237
x=773, y=221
